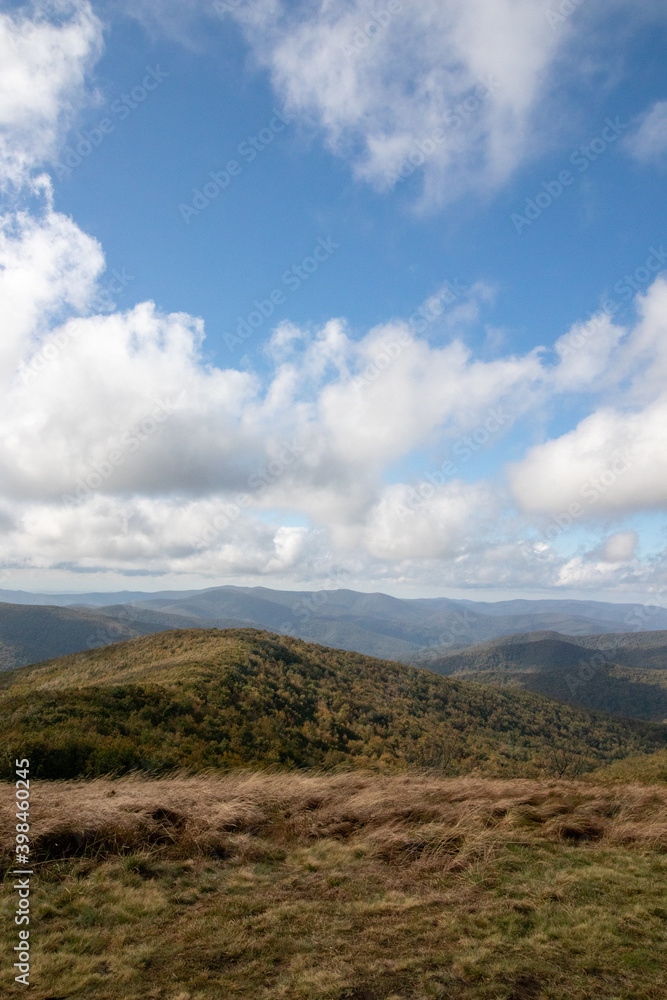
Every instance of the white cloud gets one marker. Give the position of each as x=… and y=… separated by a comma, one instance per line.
x=440, y=522
x=457, y=94
x=151, y=535
x=648, y=143
x=48, y=267
x=43, y=68
x=615, y=459
x=436, y=83
x=584, y=354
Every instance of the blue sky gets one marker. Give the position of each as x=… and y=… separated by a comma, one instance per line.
x=506, y=292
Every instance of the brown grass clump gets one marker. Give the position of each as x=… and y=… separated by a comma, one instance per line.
x=224, y=814
x=348, y=886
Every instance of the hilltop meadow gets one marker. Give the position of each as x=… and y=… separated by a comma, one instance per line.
x=349, y=886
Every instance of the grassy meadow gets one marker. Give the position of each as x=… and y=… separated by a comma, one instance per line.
x=344, y=886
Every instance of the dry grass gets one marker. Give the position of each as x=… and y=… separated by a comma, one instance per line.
x=191, y=814
x=306, y=886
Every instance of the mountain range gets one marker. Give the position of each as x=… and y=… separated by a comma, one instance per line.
x=373, y=624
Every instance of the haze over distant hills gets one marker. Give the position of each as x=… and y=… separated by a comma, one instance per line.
x=373, y=624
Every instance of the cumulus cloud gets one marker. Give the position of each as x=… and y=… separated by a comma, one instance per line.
x=620, y=547
x=437, y=84
x=456, y=94
x=585, y=353
x=43, y=67
x=48, y=267
x=126, y=404
x=648, y=143
x=438, y=523
x=614, y=460
x=120, y=447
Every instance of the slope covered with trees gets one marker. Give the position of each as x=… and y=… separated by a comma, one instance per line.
x=209, y=698
x=624, y=674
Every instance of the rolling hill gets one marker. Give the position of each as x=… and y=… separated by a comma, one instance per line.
x=30, y=633
x=624, y=674
x=201, y=698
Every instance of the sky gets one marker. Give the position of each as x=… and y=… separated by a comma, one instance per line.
x=334, y=294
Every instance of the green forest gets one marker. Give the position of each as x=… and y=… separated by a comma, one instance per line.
x=199, y=699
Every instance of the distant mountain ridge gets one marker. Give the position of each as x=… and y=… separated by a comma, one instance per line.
x=372, y=624
x=385, y=626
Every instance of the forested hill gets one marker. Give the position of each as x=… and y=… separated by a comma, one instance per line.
x=623, y=673
x=201, y=698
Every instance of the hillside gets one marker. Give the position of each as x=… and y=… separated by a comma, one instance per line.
x=157, y=621
x=624, y=674
x=357, y=886
x=29, y=634
x=206, y=698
